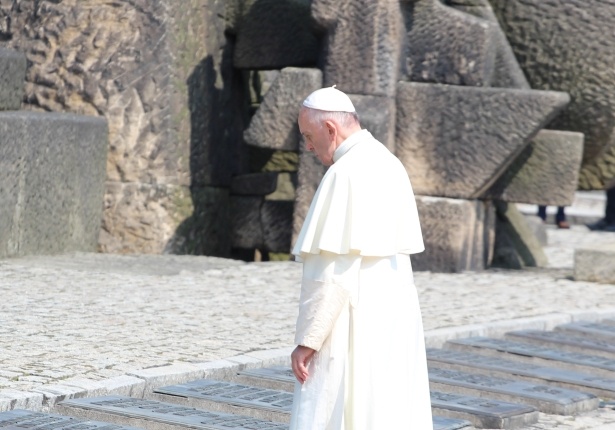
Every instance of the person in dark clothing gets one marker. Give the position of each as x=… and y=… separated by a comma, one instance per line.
x=608, y=222
x=560, y=216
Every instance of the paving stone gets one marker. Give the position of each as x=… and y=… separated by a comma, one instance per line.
x=51, y=183
x=541, y=355
x=19, y=419
x=12, y=77
x=572, y=342
x=500, y=367
x=458, y=234
x=561, y=45
x=590, y=330
x=274, y=125
x=159, y=416
x=371, y=27
x=271, y=34
x=450, y=144
x=483, y=413
x=595, y=265
x=446, y=46
x=545, y=173
x=545, y=398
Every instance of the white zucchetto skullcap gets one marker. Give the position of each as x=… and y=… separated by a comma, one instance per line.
x=329, y=99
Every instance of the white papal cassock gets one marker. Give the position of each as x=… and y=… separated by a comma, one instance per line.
x=358, y=307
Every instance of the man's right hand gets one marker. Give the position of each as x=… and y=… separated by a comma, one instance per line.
x=300, y=358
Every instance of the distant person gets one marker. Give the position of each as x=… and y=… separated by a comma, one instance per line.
x=360, y=362
x=560, y=216
x=608, y=222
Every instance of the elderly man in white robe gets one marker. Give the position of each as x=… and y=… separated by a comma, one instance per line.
x=360, y=361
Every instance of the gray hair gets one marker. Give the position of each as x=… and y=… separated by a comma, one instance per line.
x=345, y=119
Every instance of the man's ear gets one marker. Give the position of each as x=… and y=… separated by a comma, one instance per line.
x=331, y=129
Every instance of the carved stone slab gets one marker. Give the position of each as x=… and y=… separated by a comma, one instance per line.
x=586, y=328
x=149, y=410
x=447, y=138
x=12, y=76
x=22, y=419
x=467, y=361
x=483, y=413
x=230, y=397
x=565, y=341
x=440, y=423
x=536, y=354
x=548, y=399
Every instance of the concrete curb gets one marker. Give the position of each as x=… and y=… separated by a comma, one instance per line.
x=139, y=383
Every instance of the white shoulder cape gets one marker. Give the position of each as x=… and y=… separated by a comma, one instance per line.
x=364, y=205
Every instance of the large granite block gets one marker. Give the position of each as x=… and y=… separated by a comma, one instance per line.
x=595, y=264
x=277, y=219
x=516, y=246
x=309, y=176
x=545, y=173
x=272, y=34
x=507, y=72
x=377, y=114
x=275, y=123
x=456, y=141
x=363, y=44
x=158, y=218
x=52, y=172
x=246, y=223
x=566, y=45
x=446, y=46
x=161, y=73
x=12, y=76
x=458, y=235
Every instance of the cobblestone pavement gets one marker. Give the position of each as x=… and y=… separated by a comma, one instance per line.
x=98, y=316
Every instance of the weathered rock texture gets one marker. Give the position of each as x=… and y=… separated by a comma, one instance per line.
x=160, y=72
x=377, y=114
x=456, y=141
x=506, y=73
x=566, y=45
x=446, y=46
x=595, y=265
x=12, y=75
x=545, y=173
x=275, y=123
x=516, y=246
x=272, y=34
x=458, y=234
x=52, y=172
x=363, y=44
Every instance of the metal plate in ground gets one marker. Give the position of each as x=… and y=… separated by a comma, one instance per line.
x=440, y=423
x=528, y=350
x=566, y=340
x=275, y=373
x=581, y=381
x=545, y=398
x=233, y=394
x=171, y=414
x=485, y=413
x=19, y=419
x=594, y=330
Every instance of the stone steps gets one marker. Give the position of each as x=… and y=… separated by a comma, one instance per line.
x=475, y=383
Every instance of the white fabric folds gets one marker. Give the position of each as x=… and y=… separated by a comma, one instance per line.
x=364, y=205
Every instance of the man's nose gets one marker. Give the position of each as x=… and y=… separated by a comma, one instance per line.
x=310, y=147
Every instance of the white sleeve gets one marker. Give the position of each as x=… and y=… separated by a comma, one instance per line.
x=330, y=282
